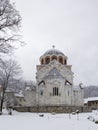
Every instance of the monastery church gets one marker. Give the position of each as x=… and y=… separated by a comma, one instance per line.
x=54, y=79
x=54, y=84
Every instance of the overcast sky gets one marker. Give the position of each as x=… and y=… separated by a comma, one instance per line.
x=70, y=25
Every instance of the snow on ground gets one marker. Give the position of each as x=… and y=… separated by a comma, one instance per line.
x=34, y=121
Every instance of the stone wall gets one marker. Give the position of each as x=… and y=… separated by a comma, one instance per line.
x=56, y=109
x=78, y=99
x=63, y=97
x=29, y=98
x=55, y=75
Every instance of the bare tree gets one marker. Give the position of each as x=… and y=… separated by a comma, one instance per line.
x=10, y=23
x=9, y=71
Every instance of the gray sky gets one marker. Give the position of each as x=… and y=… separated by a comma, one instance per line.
x=70, y=25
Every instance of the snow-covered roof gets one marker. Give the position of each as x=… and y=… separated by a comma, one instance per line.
x=8, y=91
x=90, y=99
x=20, y=94
x=28, y=88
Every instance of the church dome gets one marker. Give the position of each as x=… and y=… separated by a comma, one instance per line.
x=53, y=54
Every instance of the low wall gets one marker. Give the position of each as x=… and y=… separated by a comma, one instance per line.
x=56, y=109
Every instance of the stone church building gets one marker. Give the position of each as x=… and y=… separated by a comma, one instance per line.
x=54, y=79
x=54, y=85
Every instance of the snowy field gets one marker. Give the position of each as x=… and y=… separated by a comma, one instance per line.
x=35, y=121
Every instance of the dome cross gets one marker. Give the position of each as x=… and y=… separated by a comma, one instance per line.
x=53, y=46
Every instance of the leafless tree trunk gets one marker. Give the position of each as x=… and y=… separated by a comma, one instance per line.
x=9, y=71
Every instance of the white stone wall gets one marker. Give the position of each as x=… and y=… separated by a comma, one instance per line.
x=65, y=91
x=64, y=97
x=66, y=73
x=29, y=98
x=78, y=97
x=49, y=76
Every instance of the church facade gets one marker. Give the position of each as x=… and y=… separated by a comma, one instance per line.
x=54, y=79
x=54, y=86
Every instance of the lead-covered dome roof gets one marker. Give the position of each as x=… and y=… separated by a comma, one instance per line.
x=53, y=52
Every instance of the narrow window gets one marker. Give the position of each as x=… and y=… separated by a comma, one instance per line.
x=68, y=93
x=41, y=93
x=65, y=62
x=47, y=60
x=55, y=91
x=42, y=61
x=61, y=60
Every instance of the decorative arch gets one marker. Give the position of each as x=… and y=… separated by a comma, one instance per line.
x=54, y=57
x=47, y=59
x=61, y=59
x=67, y=82
x=65, y=62
x=42, y=61
x=42, y=82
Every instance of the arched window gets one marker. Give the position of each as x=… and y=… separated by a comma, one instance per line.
x=42, y=61
x=61, y=60
x=54, y=58
x=65, y=62
x=47, y=60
